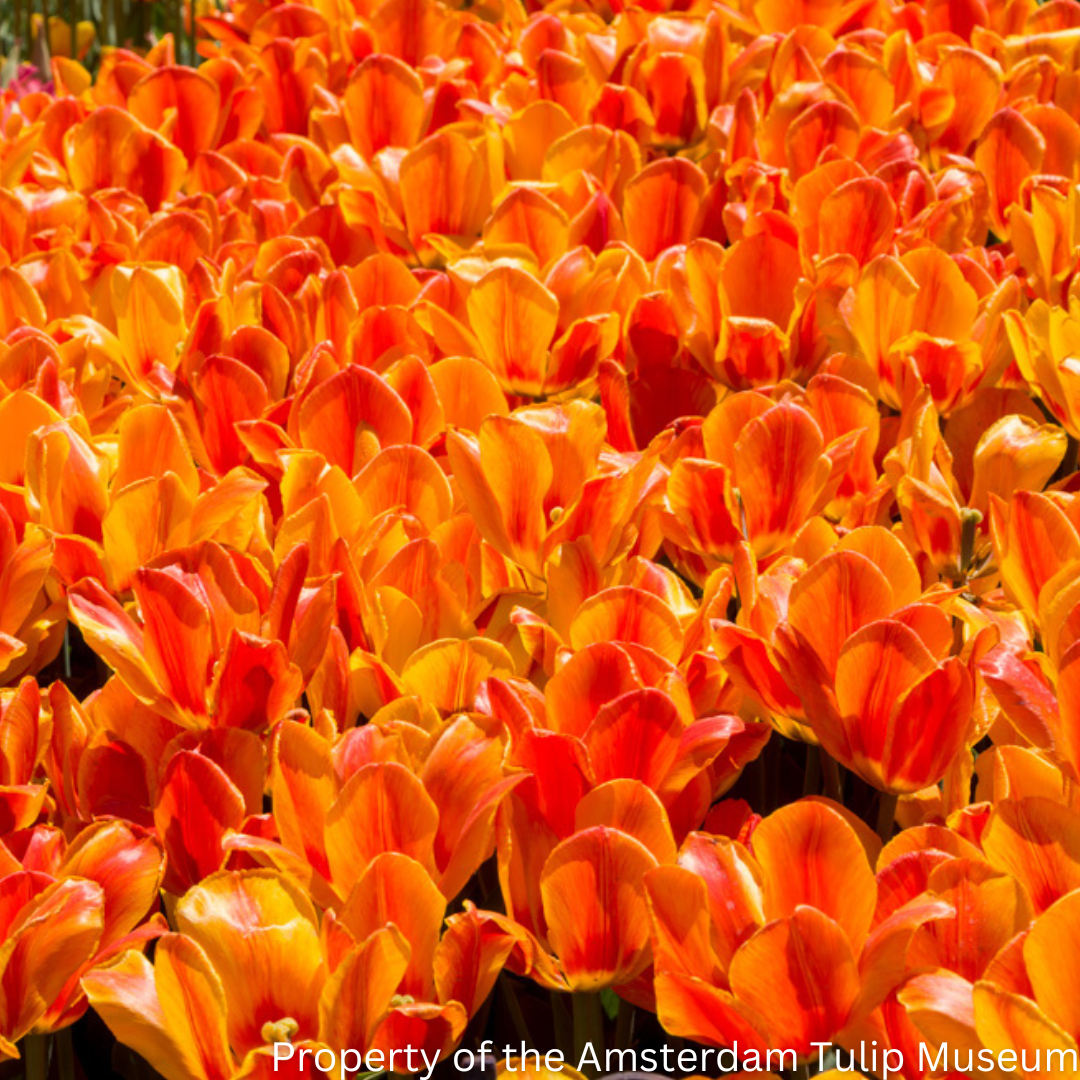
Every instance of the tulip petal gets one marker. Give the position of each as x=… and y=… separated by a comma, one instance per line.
x=127, y=997
x=811, y=856
x=627, y=614
x=258, y=931
x=594, y=903
x=1055, y=984
x=1036, y=840
x=383, y=807
x=1007, y=1021
x=395, y=889
x=799, y=974
x=358, y=995
x=197, y=805
x=660, y=205
x=636, y=736
x=735, y=886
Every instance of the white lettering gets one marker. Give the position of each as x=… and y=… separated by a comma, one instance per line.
x=887, y=1068
x=1073, y=1067
x=783, y=1055
x=936, y=1065
x=588, y=1056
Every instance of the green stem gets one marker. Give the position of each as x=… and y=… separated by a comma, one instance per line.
x=742, y=512
x=886, y=817
x=513, y=1006
x=65, y=1055
x=1069, y=461
x=588, y=1029
x=624, y=1025
x=760, y=781
x=834, y=783
x=45, y=34
x=969, y=524
x=774, y=756
x=561, y=1019
x=487, y=878
x=35, y=1049
x=812, y=776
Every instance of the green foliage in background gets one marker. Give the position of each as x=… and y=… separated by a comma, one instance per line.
x=130, y=24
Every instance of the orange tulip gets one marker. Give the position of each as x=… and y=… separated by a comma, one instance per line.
x=618, y=772
x=980, y=994
x=743, y=939
x=21, y=800
x=442, y=816
x=59, y=922
x=127, y=864
x=916, y=312
x=196, y=607
x=868, y=571
x=64, y=922
x=1031, y=1013
x=764, y=471
x=347, y=984
x=110, y=139
x=864, y=680
x=523, y=507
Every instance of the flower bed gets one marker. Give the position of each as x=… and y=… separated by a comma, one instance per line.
x=543, y=528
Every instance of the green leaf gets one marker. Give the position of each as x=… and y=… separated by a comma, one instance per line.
x=610, y=1001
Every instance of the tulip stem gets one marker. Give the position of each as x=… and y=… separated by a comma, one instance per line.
x=65, y=1055
x=774, y=757
x=834, y=784
x=513, y=1007
x=35, y=1050
x=969, y=524
x=1069, y=461
x=44, y=42
x=624, y=1025
x=760, y=784
x=588, y=1029
x=812, y=775
x=561, y=1018
x=886, y=817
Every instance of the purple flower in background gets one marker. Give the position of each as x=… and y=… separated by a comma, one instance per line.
x=28, y=80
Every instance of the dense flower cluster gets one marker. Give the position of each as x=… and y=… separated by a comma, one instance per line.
x=444, y=449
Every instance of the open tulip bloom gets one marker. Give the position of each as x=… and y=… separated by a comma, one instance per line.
x=539, y=537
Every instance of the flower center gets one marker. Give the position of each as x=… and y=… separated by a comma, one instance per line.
x=279, y=1031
